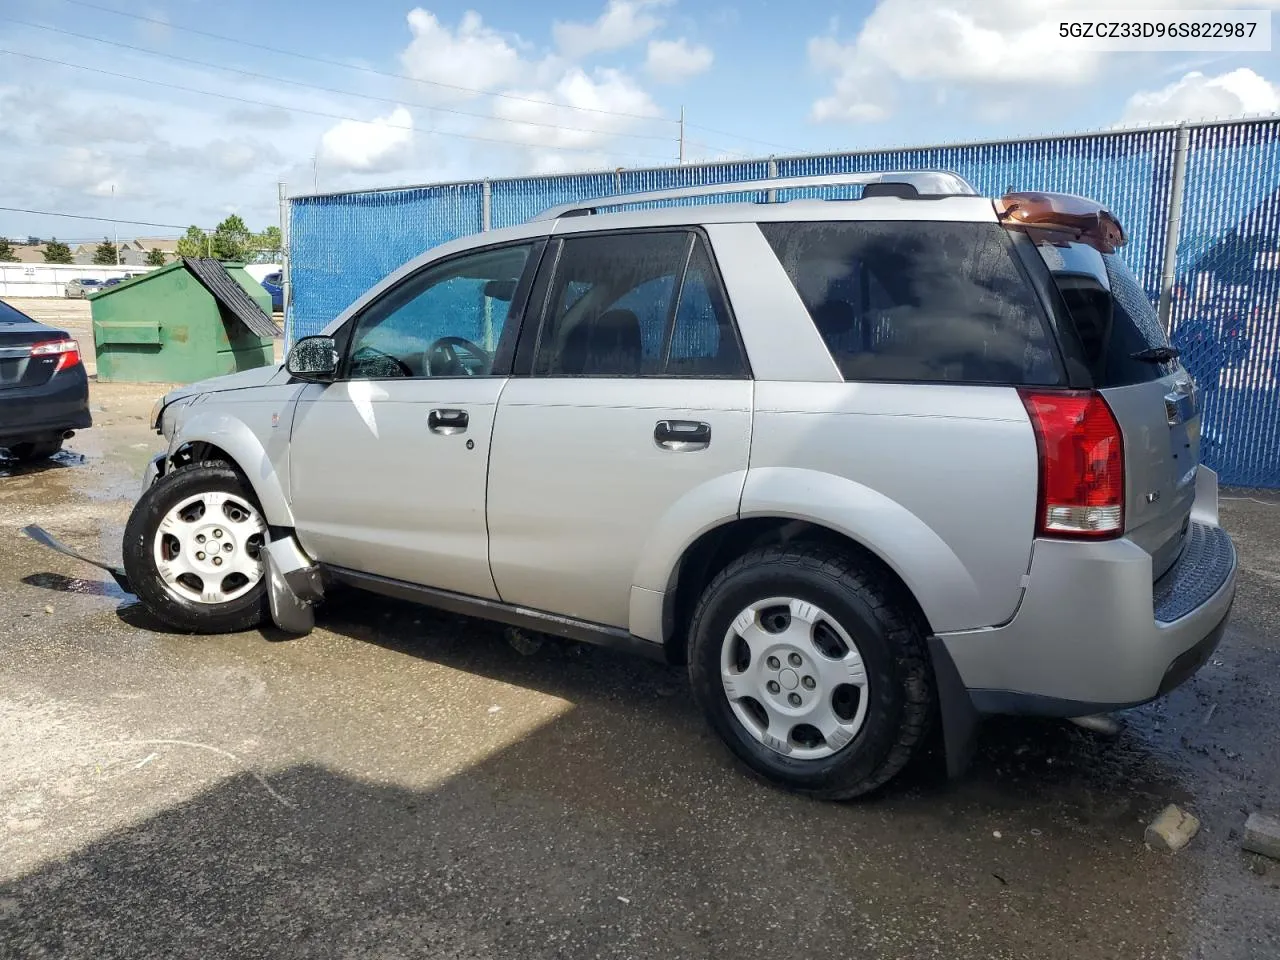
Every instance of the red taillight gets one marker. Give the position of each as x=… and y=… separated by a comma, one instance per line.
x=67, y=352
x=1081, y=464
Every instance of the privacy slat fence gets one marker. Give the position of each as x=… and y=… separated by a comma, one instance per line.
x=1225, y=290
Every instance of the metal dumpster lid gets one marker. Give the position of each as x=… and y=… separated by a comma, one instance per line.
x=214, y=277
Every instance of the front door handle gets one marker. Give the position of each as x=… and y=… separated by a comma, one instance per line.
x=682, y=435
x=447, y=421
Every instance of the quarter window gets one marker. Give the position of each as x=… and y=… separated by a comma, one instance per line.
x=918, y=300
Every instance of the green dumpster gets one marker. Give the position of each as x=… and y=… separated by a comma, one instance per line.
x=193, y=319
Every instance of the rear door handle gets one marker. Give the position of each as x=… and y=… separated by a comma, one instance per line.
x=681, y=435
x=447, y=421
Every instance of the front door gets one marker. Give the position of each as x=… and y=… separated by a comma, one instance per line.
x=636, y=417
x=388, y=464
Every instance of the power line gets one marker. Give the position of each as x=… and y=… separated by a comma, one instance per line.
x=734, y=136
x=363, y=69
x=345, y=93
x=78, y=216
x=316, y=113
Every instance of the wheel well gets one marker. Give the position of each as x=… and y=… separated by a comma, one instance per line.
x=717, y=548
x=198, y=451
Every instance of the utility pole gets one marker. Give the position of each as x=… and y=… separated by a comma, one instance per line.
x=115, y=227
x=682, y=134
x=315, y=175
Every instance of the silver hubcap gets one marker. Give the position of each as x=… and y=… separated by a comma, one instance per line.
x=209, y=548
x=794, y=678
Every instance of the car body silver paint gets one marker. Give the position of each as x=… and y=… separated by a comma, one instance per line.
x=577, y=484
x=914, y=472
x=239, y=422
x=406, y=503
x=1160, y=459
x=1085, y=630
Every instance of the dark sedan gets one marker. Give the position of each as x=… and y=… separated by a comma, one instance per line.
x=44, y=390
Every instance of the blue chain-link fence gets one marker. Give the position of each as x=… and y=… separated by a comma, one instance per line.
x=1225, y=315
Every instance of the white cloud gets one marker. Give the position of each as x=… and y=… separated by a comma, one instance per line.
x=381, y=144
x=989, y=43
x=674, y=61
x=623, y=23
x=610, y=90
x=88, y=171
x=1197, y=97
x=472, y=56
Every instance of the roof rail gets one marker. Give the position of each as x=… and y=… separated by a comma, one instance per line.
x=926, y=183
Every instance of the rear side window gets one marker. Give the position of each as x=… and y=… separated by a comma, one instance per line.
x=919, y=301
x=1119, y=331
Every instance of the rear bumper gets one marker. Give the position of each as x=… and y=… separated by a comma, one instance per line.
x=45, y=411
x=1093, y=633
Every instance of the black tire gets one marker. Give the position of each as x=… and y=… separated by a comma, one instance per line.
x=890, y=638
x=242, y=613
x=36, y=450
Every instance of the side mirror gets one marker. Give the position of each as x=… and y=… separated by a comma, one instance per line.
x=314, y=359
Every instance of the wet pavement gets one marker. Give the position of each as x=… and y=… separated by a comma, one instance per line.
x=403, y=783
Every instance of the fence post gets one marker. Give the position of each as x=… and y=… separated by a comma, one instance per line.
x=286, y=281
x=1173, y=224
x=486, y=206
x=771, y=196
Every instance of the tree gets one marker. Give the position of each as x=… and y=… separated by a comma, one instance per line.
x=193, y=243
x=105, y=254
x=56, y=251
x=155, y=257
x=6, y=251
x=232, y=240
x=268, y=242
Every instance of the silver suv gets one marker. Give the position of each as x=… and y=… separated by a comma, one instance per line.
x=860, y=464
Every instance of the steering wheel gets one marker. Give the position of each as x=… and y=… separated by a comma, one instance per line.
x=375, y=364
x=444, y=357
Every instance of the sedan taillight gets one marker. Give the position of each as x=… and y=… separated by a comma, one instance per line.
x=66, y=351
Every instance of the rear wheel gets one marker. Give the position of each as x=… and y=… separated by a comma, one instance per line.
x=812, y=670
x=195, y=550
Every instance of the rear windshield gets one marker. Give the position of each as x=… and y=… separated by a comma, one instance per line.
x=1118, y=328
x=9, y=315
x=919, y=301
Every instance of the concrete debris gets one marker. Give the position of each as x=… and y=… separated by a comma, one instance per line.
x=48, y=608
x=1262, y=835
x=523, y=642
x=1099, y=723
x=1172, y=830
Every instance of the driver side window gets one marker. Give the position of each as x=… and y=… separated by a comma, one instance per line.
x=445, y=321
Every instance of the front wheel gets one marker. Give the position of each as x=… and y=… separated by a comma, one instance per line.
x=812, y=669
x=195, y=550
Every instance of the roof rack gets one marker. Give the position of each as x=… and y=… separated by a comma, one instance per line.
x=923, y=183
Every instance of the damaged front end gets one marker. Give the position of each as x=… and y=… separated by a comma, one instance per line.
x=294, y=582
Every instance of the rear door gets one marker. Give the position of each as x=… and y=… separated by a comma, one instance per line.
x=635, y=416
x=1154, y=399
x=18, y=334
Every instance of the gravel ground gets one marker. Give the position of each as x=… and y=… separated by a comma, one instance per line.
x=402, y=783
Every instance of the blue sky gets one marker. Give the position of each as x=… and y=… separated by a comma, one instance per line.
x=459, y=90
